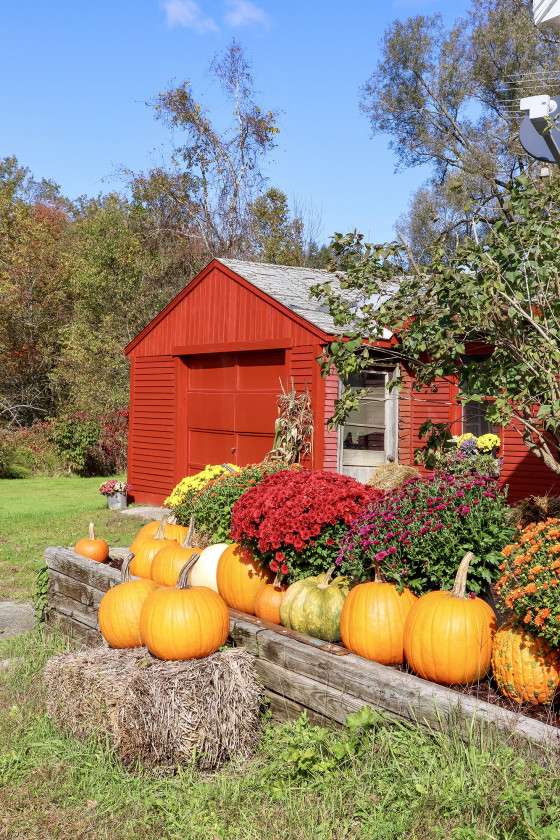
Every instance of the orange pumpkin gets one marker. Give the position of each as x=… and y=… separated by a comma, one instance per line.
x=525, y=667
x=240, y=576
x=169, y=561
x=92, y=547
x=184, y=623
x=172, y=531
x=120, y=607
x=373, y=618
x=141, y=564
x=268, y=600
x=448, y=637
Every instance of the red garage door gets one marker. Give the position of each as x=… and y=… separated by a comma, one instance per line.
x=231, y=407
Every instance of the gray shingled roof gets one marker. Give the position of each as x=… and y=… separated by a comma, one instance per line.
x=289, y=285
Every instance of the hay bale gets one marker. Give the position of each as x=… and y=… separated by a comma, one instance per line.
x=162, y=713
x=534, y=509
x=390, y=476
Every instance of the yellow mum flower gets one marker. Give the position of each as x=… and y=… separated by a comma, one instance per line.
x=486, y=443
x=191, y=483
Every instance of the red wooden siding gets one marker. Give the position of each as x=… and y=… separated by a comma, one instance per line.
x=220, y=307
x=524, y=473
x=304, y=371
x=151, y=451
x=330, y=458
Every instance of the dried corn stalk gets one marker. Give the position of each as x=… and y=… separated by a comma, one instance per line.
x=293, y=430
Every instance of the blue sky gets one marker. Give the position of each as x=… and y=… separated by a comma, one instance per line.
x=76, y=77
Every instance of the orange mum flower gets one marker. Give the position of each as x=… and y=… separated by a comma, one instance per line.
x=507, y=550
x=530, y=589
x=528, y=617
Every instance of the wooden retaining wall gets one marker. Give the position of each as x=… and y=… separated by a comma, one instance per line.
x=298, y=672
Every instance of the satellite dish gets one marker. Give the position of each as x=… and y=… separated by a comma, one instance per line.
x=534, y=143
x=546, y=13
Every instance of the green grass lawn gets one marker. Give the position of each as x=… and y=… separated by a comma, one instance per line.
x=38, y=512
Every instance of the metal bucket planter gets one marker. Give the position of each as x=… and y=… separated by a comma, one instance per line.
x=117, y=501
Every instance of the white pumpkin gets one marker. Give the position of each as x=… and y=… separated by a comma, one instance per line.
x=204, y=572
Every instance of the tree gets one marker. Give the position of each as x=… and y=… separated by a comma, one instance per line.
x=280, y=235
x=502, y=293
x=34, y=297
x=116, y=288
x=449, y=98
x=222, y=169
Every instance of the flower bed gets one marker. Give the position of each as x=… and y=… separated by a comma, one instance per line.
x=419, y=533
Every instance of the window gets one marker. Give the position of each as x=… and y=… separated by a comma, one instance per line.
x=474, y=413
x=365, y=427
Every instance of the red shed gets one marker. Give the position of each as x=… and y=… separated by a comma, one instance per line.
x=206, y=372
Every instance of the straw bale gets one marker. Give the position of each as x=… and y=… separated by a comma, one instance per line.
x=161, y=713
x=534, y=509
x=390, y=476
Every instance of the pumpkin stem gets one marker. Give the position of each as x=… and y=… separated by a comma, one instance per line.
x=188, y=541
x=125, y=568
x=160, y=533
x=184, y=579
x=91, y=532
x=172, y=520
x=378, y=574
x=327, y=579
x=278, y=578
x=460, y=585
x=227, y=467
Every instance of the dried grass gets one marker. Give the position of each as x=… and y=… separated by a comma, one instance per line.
x=534, y=509
x=161, y=713
x=390, y=476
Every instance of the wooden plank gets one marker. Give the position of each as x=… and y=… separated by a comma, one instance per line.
x=67, y=562
x=321, y=644
x=318, y=696
x=75, y=589
x=69, y=608
x=394, y=692
x=73, y=628
x=283, y=709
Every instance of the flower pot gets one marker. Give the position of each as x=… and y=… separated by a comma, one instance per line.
x=116, y=501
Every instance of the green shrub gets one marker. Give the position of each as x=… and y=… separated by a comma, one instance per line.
x=28, y=453
x=212, y=505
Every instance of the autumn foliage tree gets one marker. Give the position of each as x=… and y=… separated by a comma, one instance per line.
x=34, y=299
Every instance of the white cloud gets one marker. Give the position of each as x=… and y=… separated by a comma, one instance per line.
x=188, y=14
x=243, y=12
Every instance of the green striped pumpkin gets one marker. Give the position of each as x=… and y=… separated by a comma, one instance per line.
x=313, y=606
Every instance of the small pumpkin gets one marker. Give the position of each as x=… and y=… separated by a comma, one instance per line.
x=204, y=573
x=92, y=547
x=268, y=600
x=120, y=607
x=525, y=667
x=184, y=622
x=170, y=559
x=172, y=531
x=141, y=564
x=314, y=605
x=373, y=618
x=448, y=636
x=240, y=576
